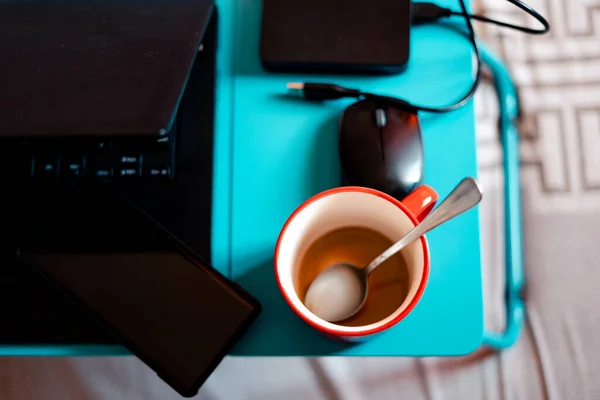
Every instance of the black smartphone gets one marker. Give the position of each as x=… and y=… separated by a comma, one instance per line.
x=160, y=300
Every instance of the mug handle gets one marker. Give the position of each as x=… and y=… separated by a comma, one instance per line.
x=421, y=201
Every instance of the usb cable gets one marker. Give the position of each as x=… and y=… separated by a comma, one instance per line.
x=428, y=12
x=423, y=13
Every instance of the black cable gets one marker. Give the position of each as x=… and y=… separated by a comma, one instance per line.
x=506, y=24
x=425, y=12
x=465, y=99
x=320, y=91
x=468, y=18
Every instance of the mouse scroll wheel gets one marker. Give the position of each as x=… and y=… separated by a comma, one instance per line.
x=380, y=118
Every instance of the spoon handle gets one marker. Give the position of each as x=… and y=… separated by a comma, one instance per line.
x=462, y=198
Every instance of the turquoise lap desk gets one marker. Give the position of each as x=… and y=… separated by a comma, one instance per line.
x=285, y=151
x=273, y=153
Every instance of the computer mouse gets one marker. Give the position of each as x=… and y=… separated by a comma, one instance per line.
x=381, y=147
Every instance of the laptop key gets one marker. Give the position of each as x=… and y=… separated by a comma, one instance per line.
x=156, y=165
x=45, y=166
x=128, y=172
x=71, y=165
x=101, y=164
x=15, y=165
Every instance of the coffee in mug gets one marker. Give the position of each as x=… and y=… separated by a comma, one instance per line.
x=388, y=284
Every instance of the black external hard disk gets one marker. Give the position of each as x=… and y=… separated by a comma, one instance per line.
x=333, y=36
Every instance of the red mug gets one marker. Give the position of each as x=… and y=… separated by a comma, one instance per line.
x=355, y=206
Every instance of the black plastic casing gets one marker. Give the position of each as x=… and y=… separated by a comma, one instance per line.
x=330, y=36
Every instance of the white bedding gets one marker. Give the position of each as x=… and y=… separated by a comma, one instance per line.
x=557, y=357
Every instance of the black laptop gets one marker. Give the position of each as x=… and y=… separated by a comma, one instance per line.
x=120, y=89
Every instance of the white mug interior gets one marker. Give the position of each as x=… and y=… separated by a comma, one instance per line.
x=337, y=210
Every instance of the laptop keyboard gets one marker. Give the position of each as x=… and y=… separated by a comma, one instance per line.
x=65, y=159
x=32, y=174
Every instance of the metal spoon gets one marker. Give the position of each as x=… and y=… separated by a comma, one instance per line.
x=340, y=290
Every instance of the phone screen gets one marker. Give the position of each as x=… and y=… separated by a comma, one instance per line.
x=164, y=304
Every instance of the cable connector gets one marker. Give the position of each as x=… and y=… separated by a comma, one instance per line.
x=426, y=12
x=321, y=91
